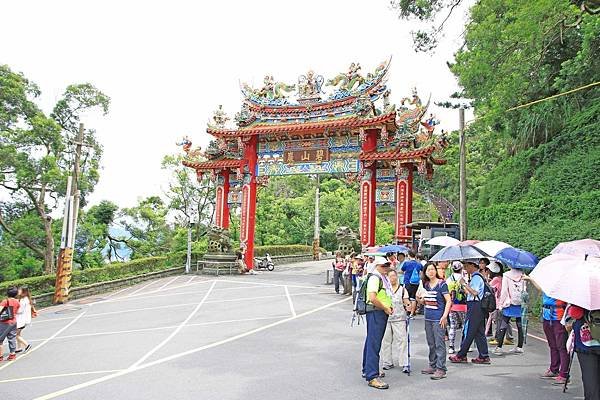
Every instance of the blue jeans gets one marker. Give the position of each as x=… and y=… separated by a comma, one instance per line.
x=376, y=324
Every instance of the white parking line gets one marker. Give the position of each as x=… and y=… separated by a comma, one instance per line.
x=140, y=289
x=83, y=385
x=190, y=280
x=167, y=284
x=270, y=284
x=44, y=342
x=228, y=321
x=161, y=344
x=30, y=378
x=289, y=298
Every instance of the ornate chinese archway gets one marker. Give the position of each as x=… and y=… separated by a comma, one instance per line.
x=355, y=131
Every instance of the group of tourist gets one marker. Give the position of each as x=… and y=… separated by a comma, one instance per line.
x=455, y=297
x=16, y=312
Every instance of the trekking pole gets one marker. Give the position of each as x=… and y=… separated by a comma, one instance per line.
x=569, y=370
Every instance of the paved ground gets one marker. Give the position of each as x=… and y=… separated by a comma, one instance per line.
x=277, y=335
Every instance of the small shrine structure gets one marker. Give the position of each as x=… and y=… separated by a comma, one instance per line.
x=353, y=130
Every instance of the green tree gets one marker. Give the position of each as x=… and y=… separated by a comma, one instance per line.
x=36, y=158
x=146, y=223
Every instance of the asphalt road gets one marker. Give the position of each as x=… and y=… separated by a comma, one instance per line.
x=276, y=335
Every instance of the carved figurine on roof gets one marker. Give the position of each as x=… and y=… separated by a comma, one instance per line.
x=219, y=117
x=348, y=80
x=309, y=87
x=190, y=153
x=271, y=93
x=409, y=119
x=219, y=148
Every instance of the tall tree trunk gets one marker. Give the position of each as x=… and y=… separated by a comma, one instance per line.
x=49, y=251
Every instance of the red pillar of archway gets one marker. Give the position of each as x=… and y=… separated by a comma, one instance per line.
x=368, y=184
x=222, y=196
x=404, y=199
x=248, y=213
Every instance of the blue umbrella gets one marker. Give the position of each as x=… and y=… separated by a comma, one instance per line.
x=517, y=258
x=458, y=253
x=393, y=248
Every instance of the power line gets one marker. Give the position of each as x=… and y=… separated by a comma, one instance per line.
x=555, y=96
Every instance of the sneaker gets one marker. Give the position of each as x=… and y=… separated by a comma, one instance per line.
x=11, y=357
x=381, y=374
x=498, y=351
x=386, y=367
x=363, y=375
x=405, y=370
x=549, y=374
x=456, y=359
x=428, y=371
x=493, y=342
x=481, y=360
x=1, y=358
x=559, y=380
x=451, y=350
x=439, y=374
x=517, y=350
x=509, y=342
x=378, y=384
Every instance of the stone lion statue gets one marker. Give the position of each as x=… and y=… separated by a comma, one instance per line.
x=219, y=240
x=346, y=239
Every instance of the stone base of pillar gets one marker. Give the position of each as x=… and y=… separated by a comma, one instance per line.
x=219, y=264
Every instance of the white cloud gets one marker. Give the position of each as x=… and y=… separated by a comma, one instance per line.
x=166, y=65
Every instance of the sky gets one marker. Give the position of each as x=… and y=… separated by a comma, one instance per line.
x=166, y=65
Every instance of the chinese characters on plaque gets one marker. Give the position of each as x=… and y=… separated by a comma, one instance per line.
x=306, y=156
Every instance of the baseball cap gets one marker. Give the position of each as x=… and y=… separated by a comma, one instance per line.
x=494, y=267
x=381, y=261
x=457, y=265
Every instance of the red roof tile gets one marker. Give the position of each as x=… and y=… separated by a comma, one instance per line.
x=206, y=165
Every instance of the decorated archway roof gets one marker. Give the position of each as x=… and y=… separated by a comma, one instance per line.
x=296, y=125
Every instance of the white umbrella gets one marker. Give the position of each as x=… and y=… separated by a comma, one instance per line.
x=583, y=247
x=570, y=279
x=492, y=247
x=443, y=241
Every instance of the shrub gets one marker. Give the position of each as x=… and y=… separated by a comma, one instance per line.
x=45, y=283
x=284, y=250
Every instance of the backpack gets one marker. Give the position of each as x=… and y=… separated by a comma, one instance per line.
x=415, y=276
x=7, y=312
x=457, y=292
x=488, y=301
x=519, y=291
x=593, y=321
x=361, y=307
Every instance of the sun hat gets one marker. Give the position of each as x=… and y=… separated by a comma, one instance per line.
x=457, y=265
x=494, y=267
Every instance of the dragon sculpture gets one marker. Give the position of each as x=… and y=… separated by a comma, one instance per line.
x=270, y=91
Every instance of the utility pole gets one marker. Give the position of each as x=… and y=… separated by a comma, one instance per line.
x=67, y=242
x=316, y=237
x=463, y=175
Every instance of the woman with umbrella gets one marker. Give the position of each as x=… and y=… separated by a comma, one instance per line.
x=511, y=298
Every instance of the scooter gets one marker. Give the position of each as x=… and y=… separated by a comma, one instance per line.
x=264, y=263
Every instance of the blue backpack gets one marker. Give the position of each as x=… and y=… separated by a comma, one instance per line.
x=415, y=276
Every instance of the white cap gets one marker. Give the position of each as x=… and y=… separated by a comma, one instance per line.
x=380, y=260
x=457, y=265
x=494, y=267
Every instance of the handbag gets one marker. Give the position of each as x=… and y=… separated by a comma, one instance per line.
x=7, y=312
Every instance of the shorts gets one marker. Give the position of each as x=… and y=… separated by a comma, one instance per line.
x=412, y=291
